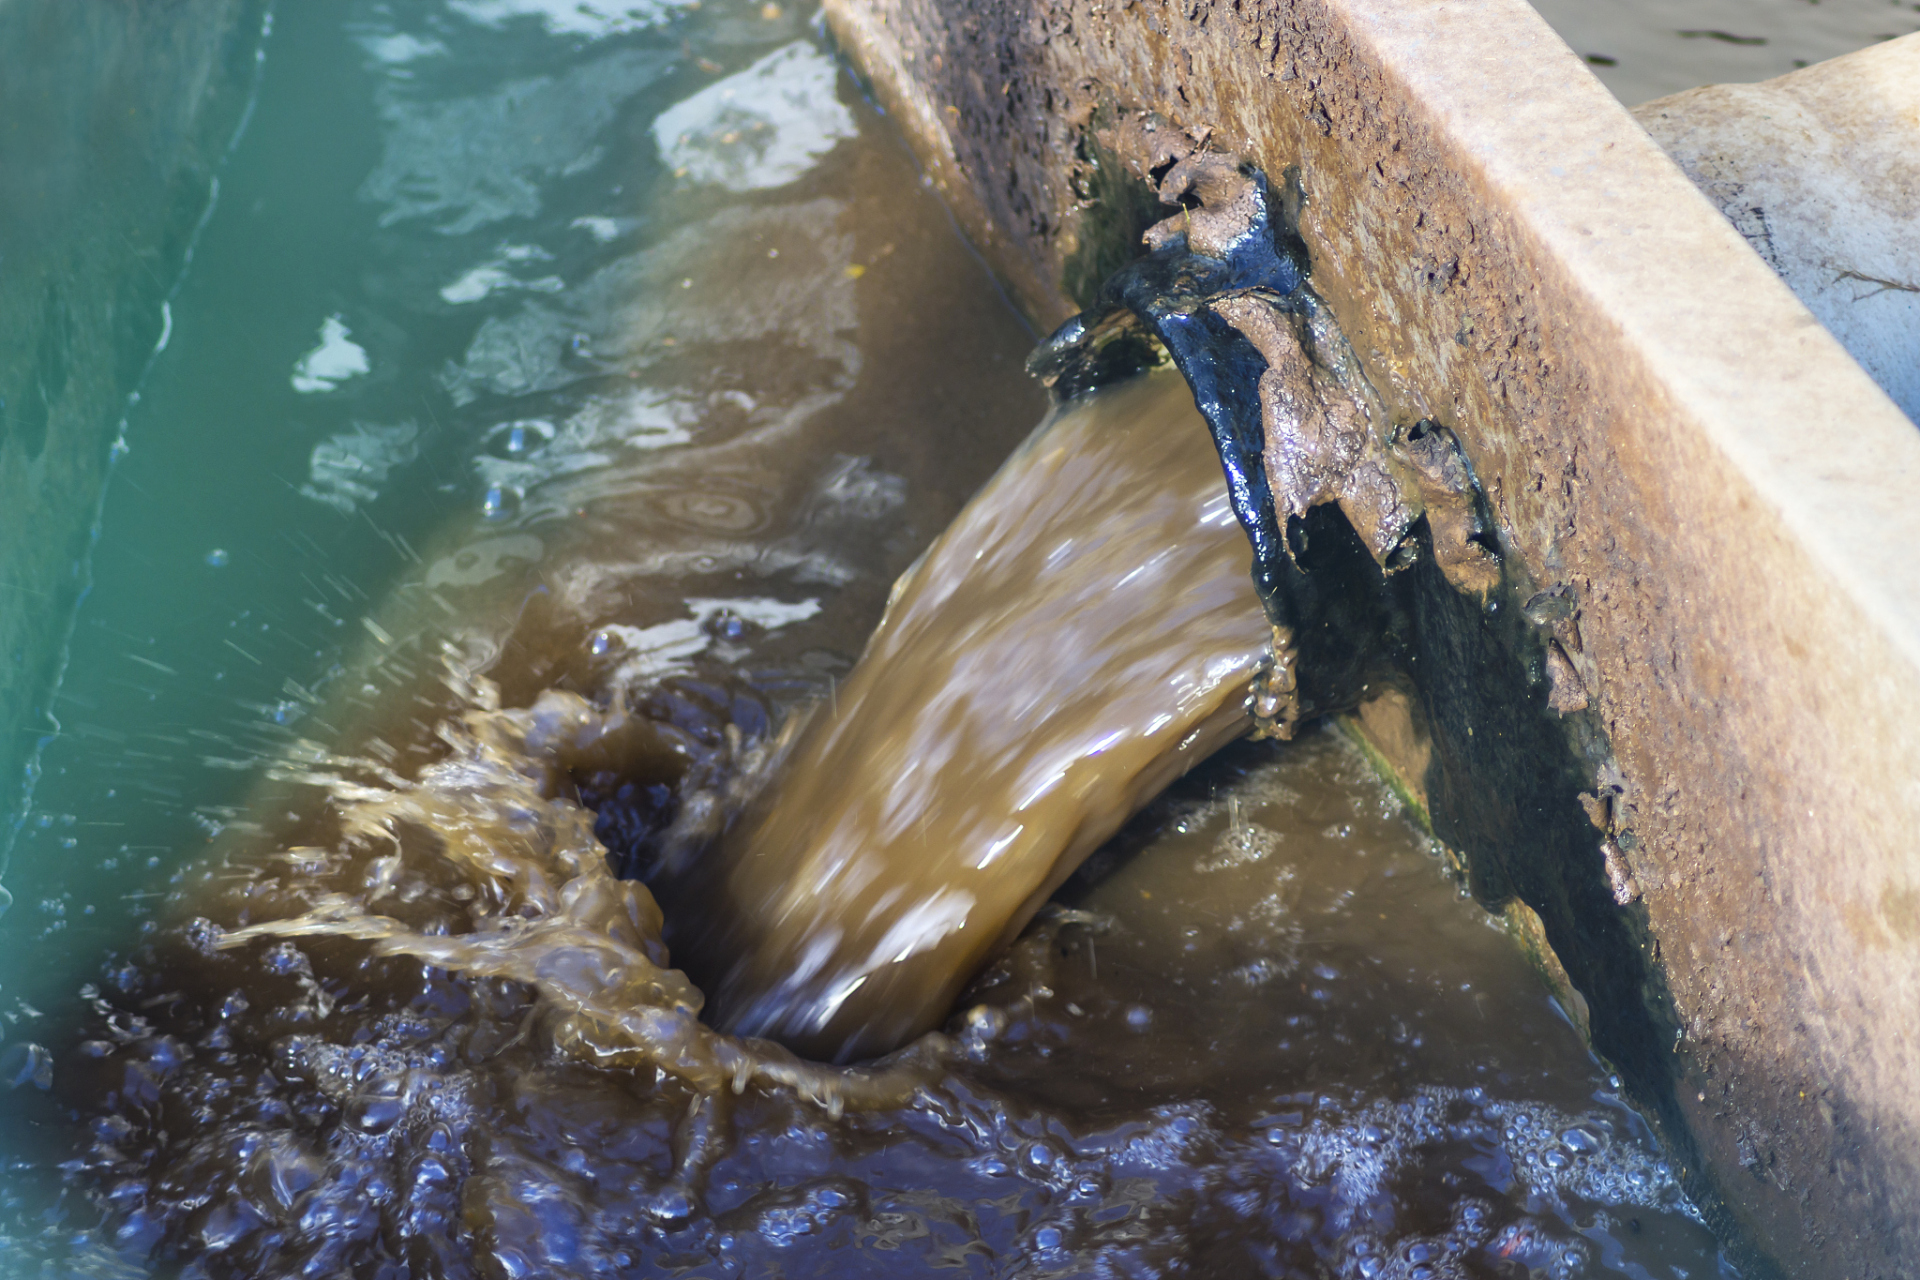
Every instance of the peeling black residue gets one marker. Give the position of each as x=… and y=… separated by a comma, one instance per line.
x=1165, y=294
x=1504, y=789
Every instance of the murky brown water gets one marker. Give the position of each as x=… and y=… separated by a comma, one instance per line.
x=1258, y=1033
x=1085, y=633
x=405, y=1019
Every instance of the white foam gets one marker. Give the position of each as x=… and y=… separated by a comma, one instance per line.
x=348, y=467
x=570, y=17
x=758, y=610
x=601, y=229
x=398, y=50
x=468, y=162
x=639, y=420
x=759, y=128
x=336, y=359
x=653, y=653
x=491, y=278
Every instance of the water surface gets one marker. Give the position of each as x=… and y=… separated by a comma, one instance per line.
x=623, y=345
x=462, y=313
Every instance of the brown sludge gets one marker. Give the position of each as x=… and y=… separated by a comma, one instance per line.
x=1085, y=633
x=1256, y=1036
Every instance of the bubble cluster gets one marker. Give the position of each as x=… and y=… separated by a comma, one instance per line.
x=443, y=1039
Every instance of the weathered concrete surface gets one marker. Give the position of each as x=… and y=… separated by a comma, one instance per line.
x=1704, y=506
x=112, y=117
x=1820, y=171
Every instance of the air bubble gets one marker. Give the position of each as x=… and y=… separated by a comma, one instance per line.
x=375, y=1115
x=1041, y=1158
x=1580, y=1140
x=499, y=503
x=517, y=439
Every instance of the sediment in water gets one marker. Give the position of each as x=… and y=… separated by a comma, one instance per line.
x=418, y=1025
x=439, y=1033
x=1085, y=633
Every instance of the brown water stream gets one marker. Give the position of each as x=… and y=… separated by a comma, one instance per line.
x=1085, y=633
x=1258, y=1033
x=414, y=1012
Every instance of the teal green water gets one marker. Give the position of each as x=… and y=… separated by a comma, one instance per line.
x=252, y=525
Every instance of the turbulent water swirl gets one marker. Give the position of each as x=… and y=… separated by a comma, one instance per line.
x=534, y=901
x=440, y=1036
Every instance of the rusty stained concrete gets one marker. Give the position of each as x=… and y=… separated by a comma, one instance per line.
x=1675, y=451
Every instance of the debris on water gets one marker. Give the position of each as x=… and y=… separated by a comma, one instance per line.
x=331, y=363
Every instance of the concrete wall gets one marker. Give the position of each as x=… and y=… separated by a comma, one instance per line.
x=1683, y=734
x=1820, y=171
x=113, y=116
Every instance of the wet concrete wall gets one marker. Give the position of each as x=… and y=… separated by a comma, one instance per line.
x=1677, y=743
x=113, y=117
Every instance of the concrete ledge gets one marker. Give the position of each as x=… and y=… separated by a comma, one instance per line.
x=1820, y=172
x=1707, y=503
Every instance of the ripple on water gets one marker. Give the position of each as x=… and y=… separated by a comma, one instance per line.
x=435, y=1036
x=451, y=1044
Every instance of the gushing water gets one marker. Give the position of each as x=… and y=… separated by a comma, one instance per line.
x=551, y=505
x=1082, y=635
x=439, y=1034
